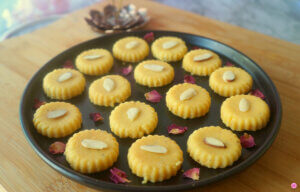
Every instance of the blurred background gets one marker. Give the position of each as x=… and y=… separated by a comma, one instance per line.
x=278, y=18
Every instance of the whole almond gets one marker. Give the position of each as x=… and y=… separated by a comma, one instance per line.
x=131, y=44
x=169, y=44
x=56, y=113
x=228, y=76
x=132, y=113
x=93, y=144
x=203, y=57
x=154, y=148
x=244, y=105
x=187, y=94
x=65, y=76
x=92, y=57
x=213, y=142
x=108, y=84
x=154, y=67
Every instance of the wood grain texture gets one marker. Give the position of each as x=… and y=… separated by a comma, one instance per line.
x=22, y=170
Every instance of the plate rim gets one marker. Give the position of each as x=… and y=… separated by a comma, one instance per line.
x=97, y=184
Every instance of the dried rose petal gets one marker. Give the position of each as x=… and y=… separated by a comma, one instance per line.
x=176, y=129
x=149, y=37
x=192, y=173
x=96, y=117
x=127, y=70
x=247, y=141
x=153, y=96
x=189, y=79
x=229, y=64
x=118, y=176
x=68, y=64
x=294, y=185
x=57, y=147
x=257, y=93
x=195, y=47
x=38, y=103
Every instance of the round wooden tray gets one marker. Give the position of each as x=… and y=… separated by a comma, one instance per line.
x=263, y=138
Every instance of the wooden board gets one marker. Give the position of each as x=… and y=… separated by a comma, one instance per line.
x=22, y=170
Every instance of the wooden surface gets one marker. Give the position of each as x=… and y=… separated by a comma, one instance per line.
x=22, y=170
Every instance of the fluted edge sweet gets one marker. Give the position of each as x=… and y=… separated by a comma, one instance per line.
x=188, y=112
x=213, y=161
x=201, y=71
x=249, y=124
x=146, y=128
x=135, y=56
x=64, y=93
x=108, y=100
x=157, y=82
x=165, y=55
x=91, y=165
x=230, y=91
x=95, y=69
x=57, y=132
x=157, y=173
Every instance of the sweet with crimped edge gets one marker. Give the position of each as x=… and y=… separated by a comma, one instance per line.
x=150, y=78
x=120, y=92
x=201, y=67
x=57, y=127
x=255, y=118
x=171, y=52
x=187, y=110
x=155, y=167
x=86, y=160
x=241, y=84
x=135, y=127
x=211, y=156
x=135, y=52
x=63, y=90
x=94, y=61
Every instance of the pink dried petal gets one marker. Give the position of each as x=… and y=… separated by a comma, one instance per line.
x=57, y=147
x=229, y=64
x=68, y=64
x=247, y=141
x=118, y=176
x=189, y=79
x=38, y=103
x=192, y=173
x=127, y=70
x=294, y=185
x=153, y=96
x=257, y=93
x=96, y=117
x=195, y=47
x=176, y=129
x=149, y=37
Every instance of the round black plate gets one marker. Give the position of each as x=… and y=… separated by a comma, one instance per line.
x=263, y=138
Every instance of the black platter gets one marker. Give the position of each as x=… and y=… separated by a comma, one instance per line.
x=264, y=138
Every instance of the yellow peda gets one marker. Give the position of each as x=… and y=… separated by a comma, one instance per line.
x=169, y=49
x=155, y=158
x=201, y=62
x=63, y=84
x=229, y=81
x=188, y=100
x=133, y=119
x=154, y=73
x=131, y=49
x=91, y=151
x=94, y=61
x=109, y=90
x=245, y=112
x=214, y=147
x=57, y=119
